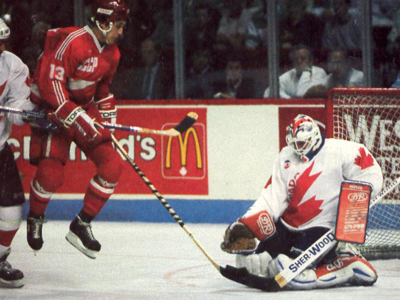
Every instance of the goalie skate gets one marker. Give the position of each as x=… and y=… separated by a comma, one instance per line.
x=81, y=237
x=9, y=277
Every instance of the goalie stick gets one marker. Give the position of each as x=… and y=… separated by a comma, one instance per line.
x=185, y=124
x=239, y=275
x=300, y=263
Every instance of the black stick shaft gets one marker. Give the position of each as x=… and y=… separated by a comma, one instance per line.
x=163, y=201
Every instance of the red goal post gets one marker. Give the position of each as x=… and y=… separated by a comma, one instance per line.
x=371, y=116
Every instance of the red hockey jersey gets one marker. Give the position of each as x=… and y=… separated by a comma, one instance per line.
x=74, y=66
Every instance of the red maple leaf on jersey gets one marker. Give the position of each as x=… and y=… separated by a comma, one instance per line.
x=297, y=214
x=364, y=160
x=3, y=87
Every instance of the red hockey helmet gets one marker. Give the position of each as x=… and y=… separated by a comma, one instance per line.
x=110, y=10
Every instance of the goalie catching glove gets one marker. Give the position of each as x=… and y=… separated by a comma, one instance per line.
x=238, y=239
x=240, y=236
x=80, y=125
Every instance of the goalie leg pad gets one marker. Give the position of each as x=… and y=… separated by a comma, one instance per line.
x=256, y=264
x=306, y=280
x=346, y=270
x=351, y=270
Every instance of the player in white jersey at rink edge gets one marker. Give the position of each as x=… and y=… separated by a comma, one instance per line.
x=14, y=92
x=299, y=204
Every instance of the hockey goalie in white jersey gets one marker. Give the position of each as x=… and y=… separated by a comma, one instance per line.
x=299, y=204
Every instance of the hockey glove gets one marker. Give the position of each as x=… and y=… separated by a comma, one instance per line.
x=107, y=109
x=80, y=125
x=238, y=239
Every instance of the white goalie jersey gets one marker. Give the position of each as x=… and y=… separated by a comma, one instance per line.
x=306, y=194
x=14, y=92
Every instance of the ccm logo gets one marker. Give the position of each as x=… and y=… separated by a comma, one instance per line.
x=266, y=224
x=358, y=197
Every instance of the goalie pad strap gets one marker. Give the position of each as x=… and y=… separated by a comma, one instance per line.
x=261, y=224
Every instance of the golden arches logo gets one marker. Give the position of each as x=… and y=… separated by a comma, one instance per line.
x=183, y=143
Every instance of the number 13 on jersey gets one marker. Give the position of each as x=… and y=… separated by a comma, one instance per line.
x=56, y=72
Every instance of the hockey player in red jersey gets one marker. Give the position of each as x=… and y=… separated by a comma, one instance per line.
x=299, y=204
x=71, y=82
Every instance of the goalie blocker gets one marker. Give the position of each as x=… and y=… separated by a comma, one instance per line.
x=354, y=199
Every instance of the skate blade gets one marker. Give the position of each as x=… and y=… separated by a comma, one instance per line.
x=74, y=240
x=14, y=284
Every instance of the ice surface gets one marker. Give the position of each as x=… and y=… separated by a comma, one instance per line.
x=154, y=261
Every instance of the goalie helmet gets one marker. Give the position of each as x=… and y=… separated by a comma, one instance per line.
x=304, y=136
x=4, y=31
x=110, y=10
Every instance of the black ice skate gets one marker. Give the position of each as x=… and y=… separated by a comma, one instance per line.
x=9, y=277
x=81, y=237
x=34, y=231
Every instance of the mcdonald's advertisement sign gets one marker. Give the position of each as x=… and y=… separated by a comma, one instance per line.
x=175, y=165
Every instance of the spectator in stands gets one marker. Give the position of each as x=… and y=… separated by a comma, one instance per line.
x=341, y=72
x=383, y=12
x=393, y=38
x=343, y=29
x=141, y=26
x=300, y=26
x=396, y=84
x=232, y=29
x=257, y=29
x=304, y=80
x=152, y=81
x=200, y=75
x=235, y=85
x=203, y=30
x=32, y=53
x=164, y=18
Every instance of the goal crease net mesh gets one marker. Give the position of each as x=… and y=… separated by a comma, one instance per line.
x=372, y=117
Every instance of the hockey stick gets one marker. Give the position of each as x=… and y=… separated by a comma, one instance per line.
x=163, y=201
x=27, y=113
x=301, y=262
x=185, y=124
x=232, y=273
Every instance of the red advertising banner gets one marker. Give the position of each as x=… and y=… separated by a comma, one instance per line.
x=176, y=166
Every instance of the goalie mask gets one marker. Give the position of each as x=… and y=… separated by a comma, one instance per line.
x=4, y=34
x=304, y=136
x=109, y=11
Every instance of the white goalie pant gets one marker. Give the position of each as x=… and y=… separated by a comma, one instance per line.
x=345, y=270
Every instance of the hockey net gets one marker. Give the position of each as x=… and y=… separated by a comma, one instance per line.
x=372, y=117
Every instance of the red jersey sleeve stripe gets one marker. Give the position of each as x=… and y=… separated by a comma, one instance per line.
x=67, y=41
x=58, y=92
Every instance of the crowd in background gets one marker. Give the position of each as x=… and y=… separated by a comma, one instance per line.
x=226, y=44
